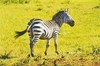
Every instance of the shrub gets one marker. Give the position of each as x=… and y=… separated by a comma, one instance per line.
x=15, y=1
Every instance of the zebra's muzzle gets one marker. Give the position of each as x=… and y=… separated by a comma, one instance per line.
x=71, y=23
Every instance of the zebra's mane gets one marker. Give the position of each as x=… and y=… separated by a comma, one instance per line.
x=57, y=14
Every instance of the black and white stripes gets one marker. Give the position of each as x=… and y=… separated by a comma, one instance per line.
x=39, y=29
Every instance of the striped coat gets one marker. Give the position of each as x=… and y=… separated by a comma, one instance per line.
x=39, y=29
x=42, y=30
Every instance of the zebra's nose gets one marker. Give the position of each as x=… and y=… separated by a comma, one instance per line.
x=72, y=23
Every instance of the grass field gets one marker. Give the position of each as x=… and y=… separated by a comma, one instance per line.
x=78, y=45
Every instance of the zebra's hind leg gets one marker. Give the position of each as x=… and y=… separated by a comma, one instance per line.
x=47, y=45
x=32, y=43
x=32, y=49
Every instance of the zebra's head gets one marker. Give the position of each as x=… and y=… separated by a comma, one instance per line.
x=63, y=16
x=67, y=18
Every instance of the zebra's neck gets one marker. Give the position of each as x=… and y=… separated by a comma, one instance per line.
x=59, y=22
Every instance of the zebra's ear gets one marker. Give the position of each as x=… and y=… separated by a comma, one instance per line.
x=66, y=10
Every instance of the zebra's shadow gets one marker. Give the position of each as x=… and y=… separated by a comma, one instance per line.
x=6, y=55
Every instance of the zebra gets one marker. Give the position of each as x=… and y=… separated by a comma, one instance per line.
x=45, y=30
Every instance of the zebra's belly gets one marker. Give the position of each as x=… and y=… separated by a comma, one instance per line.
x=43, y=37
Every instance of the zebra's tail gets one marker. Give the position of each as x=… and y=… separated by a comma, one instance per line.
x=20, y=33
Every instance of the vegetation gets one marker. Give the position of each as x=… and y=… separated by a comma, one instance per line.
x=78, y=45
x=14, y=1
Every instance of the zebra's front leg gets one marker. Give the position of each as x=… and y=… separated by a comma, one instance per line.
x=47, y=45
x=56, y=44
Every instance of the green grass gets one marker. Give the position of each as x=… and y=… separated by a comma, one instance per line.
x=78, y=45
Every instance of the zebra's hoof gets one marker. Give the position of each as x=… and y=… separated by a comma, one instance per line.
x=57, y=52
x=28, y=56
x=45, y=53
x=32, y=55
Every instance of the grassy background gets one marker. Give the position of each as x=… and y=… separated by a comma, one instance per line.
x=78, y=46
